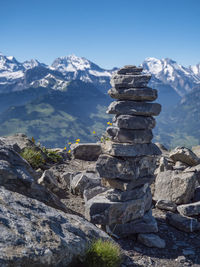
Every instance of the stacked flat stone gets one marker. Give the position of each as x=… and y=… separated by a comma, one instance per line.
x=128, y=161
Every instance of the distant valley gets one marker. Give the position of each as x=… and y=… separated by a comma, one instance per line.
x=68, y=100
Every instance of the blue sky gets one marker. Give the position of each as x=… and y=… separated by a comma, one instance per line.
x=108, y=32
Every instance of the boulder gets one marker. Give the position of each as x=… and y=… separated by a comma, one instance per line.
x=101, y=210
x=166, y=205
x=135, y=94
x=168, y=182
x=130, y=69
x=134, y=122
x=33, y=234
x=134, y=108
x=196, y=170
x=146, y=224
x=129, y=136
x=183, y=223
x=165, y=164
x=196, y=197
x=151, y=240
x=130, y=80
x=191, y=209
x=88, y=151
x=89, y=193
x=17, y=175
x=184, y=155
x=125, y=168
x=180, y=166
x=129, y=150
x=49, y=181
x=83, y=181
x=126, y=185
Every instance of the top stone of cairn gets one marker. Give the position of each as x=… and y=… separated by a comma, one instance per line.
x=130, y=69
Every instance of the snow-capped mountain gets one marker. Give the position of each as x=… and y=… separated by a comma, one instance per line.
x=169, y=72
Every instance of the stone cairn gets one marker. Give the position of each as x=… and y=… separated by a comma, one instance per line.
x=128, y=161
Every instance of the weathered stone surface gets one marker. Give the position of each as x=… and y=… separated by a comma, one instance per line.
x=166, y=205
x=196, y=194
x=196, y=170
x=130, y=80
x=124, y=185
x=165, y=164
x=17, y=175
x=33, y=234
x=130, y=69
x=134, y=122
x=147, y=224
x=82, y=181
x=116, y=195
x=196, y=150
x=190, y=209
x=176, y=187
x=183, y=223
x=134, y=108
x=151, y=240
x=49, y=181
x=129, y=136
x=125, y=168
x=129, y=150
x=100, y=210
x=92, y=192
x=184, y=155
x=180, y=166
x=135, y=94
x=87, y=151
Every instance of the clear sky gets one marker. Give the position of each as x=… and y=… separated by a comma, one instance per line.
x=107, y=32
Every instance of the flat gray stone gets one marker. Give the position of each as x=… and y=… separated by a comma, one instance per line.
x=33, y=234
x=87, y=151
x=134, y=122
x=151, y=240
x=190, y=209
x=100, y=210
x=175, y=187
x=89, y=193
x=183, y=223
x=184, y=155
x=166, y=205
x=134, y=108
x=129, y=136
x=130, y=80
x=124, y=185
x=130, y=69
x=147, y=224
x=129, y=150
x=135, y=94
x=125, y=168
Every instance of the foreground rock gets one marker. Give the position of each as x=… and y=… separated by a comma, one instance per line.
x=166, y=205
x=191, y=209
x=151, y=240
x=184, y=155
x=33, y=234
x=87, y=152
x=175, y=187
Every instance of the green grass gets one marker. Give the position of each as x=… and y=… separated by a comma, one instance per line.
x=103, y=254
x=34, y=157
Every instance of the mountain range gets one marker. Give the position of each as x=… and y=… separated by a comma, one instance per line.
x=68, y=99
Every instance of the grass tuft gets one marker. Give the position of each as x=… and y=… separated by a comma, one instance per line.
x=34, y=157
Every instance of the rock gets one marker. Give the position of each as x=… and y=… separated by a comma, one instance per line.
x=126, y=185
x=129, y=150
x=130, y=69
x=129, y=81
x=196, y=194
x=162, y=148
x=168, y=182
x=151, y=240
x=195, y=169
x=129, y=136
x=89, y=193
x=82, y=181
x=190, y=209
x=135, y=94
x=166, y=205
x=17, y=175
x=49, y=181
x=180, y=166
x=116, y=195
x=33, y=234
x=196, y=150
x=183, y=223
x=89, y=151
x=184, y=155
x=101, y=210
x=147, y=224
x=125, y=168
x=134, y=122
x=134, y=108
x=165, y=164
